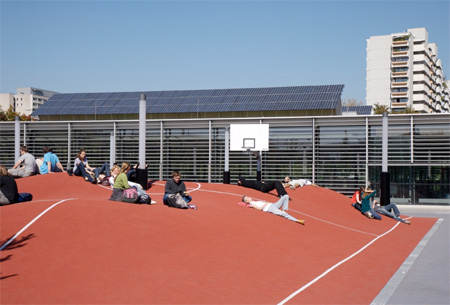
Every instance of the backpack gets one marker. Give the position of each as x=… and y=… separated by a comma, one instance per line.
x=130, y=195
x=176, y=201
x=145, y=199
x=105, y=181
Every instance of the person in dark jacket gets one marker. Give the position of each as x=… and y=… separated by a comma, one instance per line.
x=8, y=189
x=176, y=186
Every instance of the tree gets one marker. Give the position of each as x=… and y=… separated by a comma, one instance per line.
x=10, y=115
x=380, y=109
x=352, y=102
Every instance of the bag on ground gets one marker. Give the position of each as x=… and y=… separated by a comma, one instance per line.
x=145, y=199
x=130, y=195
x=176, y=201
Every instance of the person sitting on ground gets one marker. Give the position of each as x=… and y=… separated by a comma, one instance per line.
x=81, y=168
x=366, y=208
x=50, y=163
x=176, y=186
x=9, y=193
x=25, y=166
x=278, y=208
x=120, y=182
x=116, y=171
x=390, y=210
x=293, y=184
x=356, y=198
x=264, y=187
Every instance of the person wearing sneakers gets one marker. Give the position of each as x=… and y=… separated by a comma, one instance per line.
x=390, y=210
x=278, y=208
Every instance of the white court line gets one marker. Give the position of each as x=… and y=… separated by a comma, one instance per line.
x=31, y=222
x=337, y=265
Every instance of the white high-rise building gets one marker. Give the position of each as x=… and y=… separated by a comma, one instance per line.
x=403, y=70
x=26, y=100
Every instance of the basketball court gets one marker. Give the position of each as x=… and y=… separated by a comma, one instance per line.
x=71, y=245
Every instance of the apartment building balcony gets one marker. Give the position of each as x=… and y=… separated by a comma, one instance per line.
x=400, y=43
x=398, y=84
x=399, y=74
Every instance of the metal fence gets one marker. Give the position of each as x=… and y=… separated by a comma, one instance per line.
x=336, y=152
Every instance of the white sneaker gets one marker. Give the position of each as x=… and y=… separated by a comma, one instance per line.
x=152, y=202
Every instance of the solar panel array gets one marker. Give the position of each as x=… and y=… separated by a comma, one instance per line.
x=360, y=110
x=193, y=101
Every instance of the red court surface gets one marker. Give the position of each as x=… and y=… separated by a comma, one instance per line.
x=86, y=249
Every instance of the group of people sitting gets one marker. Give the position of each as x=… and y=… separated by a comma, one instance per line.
x=363, y=201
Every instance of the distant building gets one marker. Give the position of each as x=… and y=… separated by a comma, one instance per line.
x=403, y=70
x=213, y=103
x=26, y=100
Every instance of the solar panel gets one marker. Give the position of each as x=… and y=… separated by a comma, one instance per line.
x=208, y=100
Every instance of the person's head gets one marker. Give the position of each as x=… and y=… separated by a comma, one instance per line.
x=176, y=176
x=115, y=170
x=46, y=149
x=125, y=167
x=3, y=170
x=23, y=150
x=287, y=179
x=366, y=192
x=81, y=154
x=246, y=199
x=361, y=189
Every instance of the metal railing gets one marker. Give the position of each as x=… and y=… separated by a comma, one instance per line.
x=336, y=152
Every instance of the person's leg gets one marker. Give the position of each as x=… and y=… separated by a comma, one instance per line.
x=272, y=209
x=187, y=198
x=130, y=174
x=282, y=203
x=383, y=211
x=375, y=214
x=81, y=171
x=268, y=186
x=165, y=198
x=393, y=207
x=281, y=191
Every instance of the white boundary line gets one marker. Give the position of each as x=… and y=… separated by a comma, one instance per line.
x=31, y=222
x=336, y=265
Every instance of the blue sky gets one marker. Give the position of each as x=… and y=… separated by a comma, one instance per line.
x=108, y=46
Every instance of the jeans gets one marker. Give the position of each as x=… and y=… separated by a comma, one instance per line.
x=103, y=169
x=81, y=171
x=387, y=210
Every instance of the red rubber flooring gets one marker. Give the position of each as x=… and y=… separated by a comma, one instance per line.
x=88, y=250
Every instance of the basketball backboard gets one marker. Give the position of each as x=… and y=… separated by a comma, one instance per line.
x=254, y=137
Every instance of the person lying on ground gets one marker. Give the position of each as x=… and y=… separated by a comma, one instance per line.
x=25, y=166
x=293, y=184
x=264, y=187
x=390, y=210
x=278, y=208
